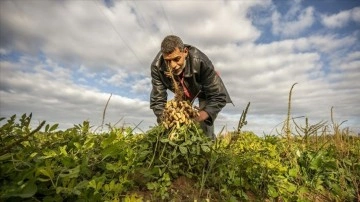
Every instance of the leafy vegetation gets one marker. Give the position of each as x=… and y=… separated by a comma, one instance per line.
x=47, y=164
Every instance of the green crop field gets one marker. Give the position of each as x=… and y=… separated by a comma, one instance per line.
x=318, y=163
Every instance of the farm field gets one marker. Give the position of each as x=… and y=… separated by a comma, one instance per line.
x=318, y=162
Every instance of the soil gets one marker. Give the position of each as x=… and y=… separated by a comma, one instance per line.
x=185, y=189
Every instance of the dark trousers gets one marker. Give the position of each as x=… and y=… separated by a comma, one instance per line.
x=208, y=130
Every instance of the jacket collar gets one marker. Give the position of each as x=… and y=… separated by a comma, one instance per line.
x=187, y=69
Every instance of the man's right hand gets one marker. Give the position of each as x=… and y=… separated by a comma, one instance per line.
x=203, y=115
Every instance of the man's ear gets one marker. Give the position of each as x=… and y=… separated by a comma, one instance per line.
x=186, y=51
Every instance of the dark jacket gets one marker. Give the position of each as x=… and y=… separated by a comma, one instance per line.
x=199, y=75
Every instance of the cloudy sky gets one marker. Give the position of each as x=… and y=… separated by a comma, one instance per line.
x=61, y=60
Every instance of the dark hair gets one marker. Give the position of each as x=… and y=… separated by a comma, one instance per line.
x=170, y=43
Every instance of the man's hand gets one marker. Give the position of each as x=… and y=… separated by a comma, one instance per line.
x=203, y=115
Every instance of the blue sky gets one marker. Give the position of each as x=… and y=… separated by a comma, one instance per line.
x=61, y=60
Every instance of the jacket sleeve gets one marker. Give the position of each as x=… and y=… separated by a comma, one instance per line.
x=158, y=96
x=214, y=89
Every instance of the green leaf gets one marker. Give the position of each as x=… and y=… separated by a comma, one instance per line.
x=99, y=185
x=89, y=143
x=47, y=128
x=164, y=140
x=82, y=184
x=187, y=142
x=42, y=179
x=5, y=156
x=183, y=150
x=92, y=184
x=108, y=141
x=112, y=184
x=197, y=149
x=172, y=143
x=111, y=167
x=293, y=172
x=272, y=191
x=151, y=185
x=63, y=150
x=54, y=127
x=71, y=173
x=48, y=154
x=205, y=148
x=107, y=188
x=291, y=188
x=316, y=162
x=33, y=154
x=47, y=172
x=111, y=151
x=28, y=190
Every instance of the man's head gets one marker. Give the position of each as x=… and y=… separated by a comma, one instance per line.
x=174, y=53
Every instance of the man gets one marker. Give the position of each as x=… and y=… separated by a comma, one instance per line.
x=196, y=76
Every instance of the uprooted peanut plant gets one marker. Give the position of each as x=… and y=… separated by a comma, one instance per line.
x=178, y=111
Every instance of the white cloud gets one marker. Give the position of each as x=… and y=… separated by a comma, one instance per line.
x=3, y=51
x=117, y=79
x=294, y=22
x=142, y=86
x=78, y=32
x=341, y=19
x=51, y=94
x=84, y=71
x=228, y=24
x=351, y=62
x=355, y=14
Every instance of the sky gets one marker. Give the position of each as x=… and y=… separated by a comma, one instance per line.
x=62, y=60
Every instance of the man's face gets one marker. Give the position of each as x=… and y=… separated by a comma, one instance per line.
x=176, y=60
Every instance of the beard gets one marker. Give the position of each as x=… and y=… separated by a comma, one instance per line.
x=180, y=70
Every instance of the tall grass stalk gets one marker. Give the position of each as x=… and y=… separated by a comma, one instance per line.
x=242, y=121
x=287, y=127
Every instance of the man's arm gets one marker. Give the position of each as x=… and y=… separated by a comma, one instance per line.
x=158, y=96
x=214, y=90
